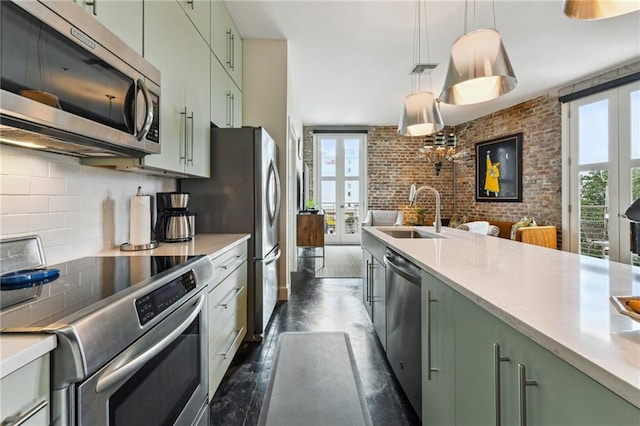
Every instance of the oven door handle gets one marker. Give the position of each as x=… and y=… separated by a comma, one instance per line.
x=130, y=361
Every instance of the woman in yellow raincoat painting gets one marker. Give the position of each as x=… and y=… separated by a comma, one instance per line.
x=491, y=180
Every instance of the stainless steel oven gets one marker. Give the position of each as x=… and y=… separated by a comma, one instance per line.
x=132, y=340
x=161, y=379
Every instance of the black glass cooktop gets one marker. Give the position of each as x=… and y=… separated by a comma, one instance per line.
x=81, y=283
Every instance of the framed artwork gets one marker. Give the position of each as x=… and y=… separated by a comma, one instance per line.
x=499, y=169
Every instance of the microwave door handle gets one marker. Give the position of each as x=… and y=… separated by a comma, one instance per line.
x=126, y=364
x=149, y=114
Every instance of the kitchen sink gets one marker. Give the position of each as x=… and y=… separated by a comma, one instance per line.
x=410, y=233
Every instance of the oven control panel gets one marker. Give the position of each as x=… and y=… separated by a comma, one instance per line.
x=154, y=303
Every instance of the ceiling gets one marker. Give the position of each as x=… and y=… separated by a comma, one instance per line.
x=350, y=60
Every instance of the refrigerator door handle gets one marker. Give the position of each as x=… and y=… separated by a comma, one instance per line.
x=273, y=174
x=278, y=190
x=273, y=257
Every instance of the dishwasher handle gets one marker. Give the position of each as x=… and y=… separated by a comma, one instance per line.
x=402, y=267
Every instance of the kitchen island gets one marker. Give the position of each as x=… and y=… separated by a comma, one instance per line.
x=557, y=300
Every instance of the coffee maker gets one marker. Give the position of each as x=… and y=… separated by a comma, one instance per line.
x=173, y=224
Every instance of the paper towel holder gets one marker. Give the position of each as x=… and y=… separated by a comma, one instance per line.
x=135, y=247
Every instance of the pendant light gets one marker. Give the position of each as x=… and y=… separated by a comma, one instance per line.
x=598, y=9
x=420, y=113
x=479, y=68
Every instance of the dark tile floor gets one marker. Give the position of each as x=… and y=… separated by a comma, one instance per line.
x=316, y=304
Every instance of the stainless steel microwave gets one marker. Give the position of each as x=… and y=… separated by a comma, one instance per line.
x=69, y=85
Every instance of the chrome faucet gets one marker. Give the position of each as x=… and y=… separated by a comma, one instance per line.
x=414, y=196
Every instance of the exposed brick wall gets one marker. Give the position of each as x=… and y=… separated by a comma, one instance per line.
x=393, y=165
x=540, y=122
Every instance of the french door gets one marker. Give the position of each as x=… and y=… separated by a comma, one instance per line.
x=604, y=146
x=340, y=160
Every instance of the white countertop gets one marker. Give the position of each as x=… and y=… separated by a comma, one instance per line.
x=558, y=299
x=17, y=351
x=211, y=244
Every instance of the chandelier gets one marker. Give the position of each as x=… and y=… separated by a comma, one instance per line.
x=440, y=147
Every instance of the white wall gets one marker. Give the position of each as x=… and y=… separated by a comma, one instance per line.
x=264, y=103
x=76, y=210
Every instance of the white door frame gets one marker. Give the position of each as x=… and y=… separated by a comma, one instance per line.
x=619, y=167
x=340, y=236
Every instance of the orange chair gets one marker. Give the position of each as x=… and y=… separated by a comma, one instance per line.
x=545, y=236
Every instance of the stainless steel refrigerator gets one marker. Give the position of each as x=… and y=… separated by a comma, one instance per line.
x=243, y=196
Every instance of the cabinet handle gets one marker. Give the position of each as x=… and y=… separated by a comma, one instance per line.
x=94, y=6
x=190, y=3
x=522, y=394
x=367, y=279
x=229, y=47
x=370, y=283
x=233, y=110
x=19, y=420
x=229, y=108
x=233, y=261
x=497, y=359
x=238, y=291
x=190, y=158
x=430, y=369
x=184, y=157
x=233, y=52
x=239, y=333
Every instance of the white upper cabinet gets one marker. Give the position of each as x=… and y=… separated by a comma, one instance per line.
x=183, y=59
x=199, y=12
x=225, y=41
x=226, y=98
x=121, y=17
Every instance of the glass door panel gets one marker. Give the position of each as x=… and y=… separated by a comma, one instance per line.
x=340, y=194
x=351, y=207
x=604, y=135
x=594, y=214
x=328, y=154
x=328, y=204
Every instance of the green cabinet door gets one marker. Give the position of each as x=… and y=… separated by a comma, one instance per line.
x=367, y=277
x=438, y=350
x=495, y=365
x=563, y=395
x=475, y=333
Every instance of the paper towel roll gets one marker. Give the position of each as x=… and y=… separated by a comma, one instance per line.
x=140, y=220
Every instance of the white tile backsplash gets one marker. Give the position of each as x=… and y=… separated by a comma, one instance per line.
x=77, y=210
x=48, y=186
x=15, y=185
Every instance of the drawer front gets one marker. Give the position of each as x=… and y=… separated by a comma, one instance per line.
x=222, y=350
x=25, y=390
x=225, y=300
x=227, y=262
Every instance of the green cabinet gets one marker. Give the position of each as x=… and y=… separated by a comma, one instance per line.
x=374, y=288
x=374, y=294
x=438, y=349
x=366, y=282
x=503, y=377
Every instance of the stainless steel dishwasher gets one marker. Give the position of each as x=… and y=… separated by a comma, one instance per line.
x=403, y=325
